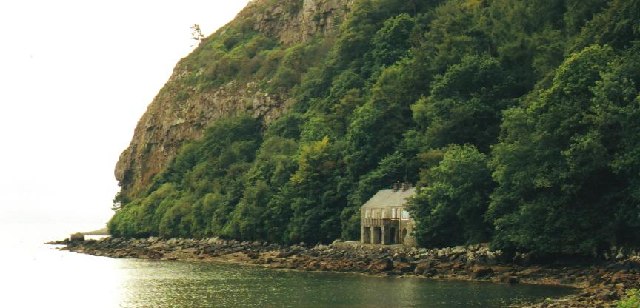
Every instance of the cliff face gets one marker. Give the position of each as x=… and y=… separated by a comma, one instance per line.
x=183, y=108
x=297, y=21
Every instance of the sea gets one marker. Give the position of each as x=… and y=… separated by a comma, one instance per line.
x=34, y=274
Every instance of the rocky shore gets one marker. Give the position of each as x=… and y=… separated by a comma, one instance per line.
x=598, y=284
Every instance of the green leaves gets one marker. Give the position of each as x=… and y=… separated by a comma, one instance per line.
x=315, y=203
x=449, y=209
x=554, y=161
x=465, y=104
x=518, y=119
x=631, y=300
x=392, y=41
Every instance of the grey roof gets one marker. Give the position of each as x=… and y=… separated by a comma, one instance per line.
x=389, y=198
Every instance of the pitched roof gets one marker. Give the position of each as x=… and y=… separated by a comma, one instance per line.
x=389, y=198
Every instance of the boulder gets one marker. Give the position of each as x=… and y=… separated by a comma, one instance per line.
x=404, y=267
x=422, y=267
x=381, y=265
x=480, y=272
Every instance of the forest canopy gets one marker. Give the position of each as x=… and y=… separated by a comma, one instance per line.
x=518, y=120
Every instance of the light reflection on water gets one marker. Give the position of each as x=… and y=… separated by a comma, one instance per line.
x=221, y=285
x=36, y=275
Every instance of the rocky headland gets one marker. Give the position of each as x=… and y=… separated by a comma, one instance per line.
x=598, y=284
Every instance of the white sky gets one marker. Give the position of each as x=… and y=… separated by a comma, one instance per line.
x=75, y=77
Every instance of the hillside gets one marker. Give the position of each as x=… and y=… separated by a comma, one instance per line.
x=518, y=120
x=224, y=76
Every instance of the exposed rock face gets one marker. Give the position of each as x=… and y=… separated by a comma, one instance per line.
x=170, y=119
x=169, y=122
x=296, y=21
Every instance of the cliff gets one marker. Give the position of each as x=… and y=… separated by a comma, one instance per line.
x=518, y=121
x=184, y=108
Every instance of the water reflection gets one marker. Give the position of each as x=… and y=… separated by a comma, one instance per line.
x=167, y=284
x=36, y=275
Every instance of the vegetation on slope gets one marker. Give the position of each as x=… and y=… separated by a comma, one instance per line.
x=519, y=120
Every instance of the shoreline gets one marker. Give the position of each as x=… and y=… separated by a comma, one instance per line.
x=599, y=284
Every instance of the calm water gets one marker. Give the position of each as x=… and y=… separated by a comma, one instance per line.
x=36, y=275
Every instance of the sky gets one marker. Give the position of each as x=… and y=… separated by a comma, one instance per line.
x=75, y=77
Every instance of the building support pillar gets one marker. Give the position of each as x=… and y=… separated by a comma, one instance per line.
x=376, y=235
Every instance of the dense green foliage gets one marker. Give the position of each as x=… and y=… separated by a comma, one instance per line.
x=632, y=300
x=558, y=159
x=453, y=202
x=520, y=120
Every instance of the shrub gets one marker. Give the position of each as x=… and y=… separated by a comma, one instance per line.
x=632, y=300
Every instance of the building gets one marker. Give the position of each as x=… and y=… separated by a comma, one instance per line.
x=385, y=219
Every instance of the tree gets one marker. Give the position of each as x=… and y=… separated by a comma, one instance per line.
x=450, y=209
x=465, y=104
x=618, y=25
x=315, y=202
x=616, y=111
x=377, y=126
x=551, y=166
x=253, y=218
x=391, y=42
x=196, y=33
